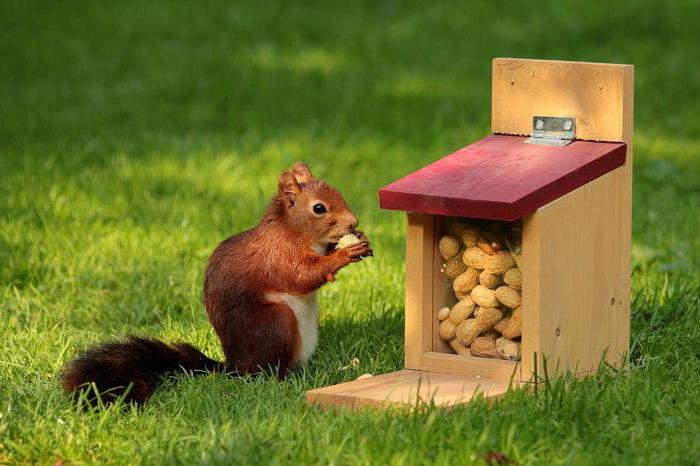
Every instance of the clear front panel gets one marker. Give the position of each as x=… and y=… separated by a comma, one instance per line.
x=477, y=292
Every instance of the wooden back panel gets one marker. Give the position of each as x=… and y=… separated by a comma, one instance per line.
x=576, y=250
x=594, y=93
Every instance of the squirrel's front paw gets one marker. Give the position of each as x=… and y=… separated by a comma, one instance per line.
x=362, y=237
x=354, y=238
x=357, y=251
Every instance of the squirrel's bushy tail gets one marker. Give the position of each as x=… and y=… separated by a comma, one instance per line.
x=133, y=366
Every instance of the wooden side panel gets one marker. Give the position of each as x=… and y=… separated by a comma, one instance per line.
x=571, y=287
x=596, y=94
x=407, y=387
x=419, y=288
x=623, y=191
x=530, y=268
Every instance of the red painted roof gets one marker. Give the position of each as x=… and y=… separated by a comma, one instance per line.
x=501, y=178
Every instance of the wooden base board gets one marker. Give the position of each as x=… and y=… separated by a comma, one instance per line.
x=407, y=387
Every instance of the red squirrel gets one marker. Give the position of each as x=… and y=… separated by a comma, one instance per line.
x=260, y=295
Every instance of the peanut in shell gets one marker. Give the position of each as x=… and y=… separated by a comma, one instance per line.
x=498, y=263
x=513, y=328
x=483, y=296
x=474, y=258
x=513, y=278
x=454, y=267
x=508, y=296
x=446, y=330
x=461, y=311
x=448, y=246
x=468, y=330
x=490, y=280
x=485, y=347
x=466, y=281
x=443, y=313
x=508, y=349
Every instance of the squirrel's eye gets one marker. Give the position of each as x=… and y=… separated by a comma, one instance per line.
x=319, y=208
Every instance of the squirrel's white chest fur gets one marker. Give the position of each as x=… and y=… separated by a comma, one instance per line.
x=305, y=310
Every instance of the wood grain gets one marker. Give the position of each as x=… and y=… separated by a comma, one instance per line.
x=420, y=267
x=446, y=363
x=407, y=387
x=623, y=191
x=596, y=94
x=572, y=257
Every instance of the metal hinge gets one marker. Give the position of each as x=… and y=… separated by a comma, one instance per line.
x=552, y=131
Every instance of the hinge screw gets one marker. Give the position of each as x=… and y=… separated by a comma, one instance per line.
x=539, y=124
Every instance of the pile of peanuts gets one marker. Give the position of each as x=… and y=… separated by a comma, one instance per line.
x=481, y=260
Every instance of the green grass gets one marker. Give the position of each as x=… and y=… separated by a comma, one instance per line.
x=135, y=136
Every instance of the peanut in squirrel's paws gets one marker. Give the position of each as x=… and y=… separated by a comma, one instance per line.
x=354, y=239
x=347, y=240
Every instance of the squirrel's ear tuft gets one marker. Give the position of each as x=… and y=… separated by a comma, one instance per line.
x=288, y=186
x=302, y=173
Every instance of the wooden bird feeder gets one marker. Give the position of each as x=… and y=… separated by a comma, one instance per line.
x=557, y=169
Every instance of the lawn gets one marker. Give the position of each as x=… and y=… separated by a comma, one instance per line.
x=134, y=136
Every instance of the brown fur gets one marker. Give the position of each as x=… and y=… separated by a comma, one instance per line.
x=276, y=256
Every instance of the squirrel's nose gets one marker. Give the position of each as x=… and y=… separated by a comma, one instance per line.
x=353, y=223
